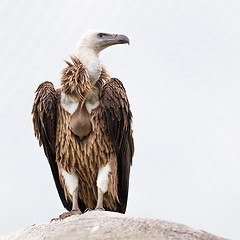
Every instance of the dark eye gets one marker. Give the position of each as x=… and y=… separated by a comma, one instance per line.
x=101, y=35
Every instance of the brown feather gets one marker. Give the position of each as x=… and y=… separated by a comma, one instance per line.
x=88, y=156
x=109, y=142
x=75, y=80
x=118, y=118
x=44, y=122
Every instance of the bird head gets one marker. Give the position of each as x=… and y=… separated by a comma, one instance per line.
x=99, y=40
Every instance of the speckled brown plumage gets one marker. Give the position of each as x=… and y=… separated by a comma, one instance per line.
x=110, y=140
x=75, y=80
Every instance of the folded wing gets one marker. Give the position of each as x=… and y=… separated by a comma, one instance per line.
x=44, y=122
x=118, y=118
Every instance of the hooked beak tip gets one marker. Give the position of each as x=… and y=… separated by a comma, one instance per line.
x=122, y=39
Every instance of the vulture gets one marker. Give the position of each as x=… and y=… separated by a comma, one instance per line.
x=85, y=128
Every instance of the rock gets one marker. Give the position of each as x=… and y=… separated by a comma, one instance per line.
x=109, y=225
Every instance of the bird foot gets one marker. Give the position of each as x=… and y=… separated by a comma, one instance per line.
x=99, y=209
x=96, y=209
x=69, y=214
x=54, y=219
x=87, y=210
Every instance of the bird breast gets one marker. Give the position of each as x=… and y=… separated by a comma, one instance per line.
x=80, y=122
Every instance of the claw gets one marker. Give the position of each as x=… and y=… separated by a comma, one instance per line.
x=69, y=214
x=99, y=209
x=87, y=210
x=55, y=219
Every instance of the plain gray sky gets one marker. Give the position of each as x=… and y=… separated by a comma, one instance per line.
x=182, y=75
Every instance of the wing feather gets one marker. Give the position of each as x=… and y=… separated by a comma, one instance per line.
x=118, y=119
x=44, y=122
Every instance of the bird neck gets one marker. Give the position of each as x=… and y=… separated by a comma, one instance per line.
x=89, y=58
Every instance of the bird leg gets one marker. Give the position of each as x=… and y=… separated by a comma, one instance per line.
x=100, y=200
x=75, y=208
x=102, y=185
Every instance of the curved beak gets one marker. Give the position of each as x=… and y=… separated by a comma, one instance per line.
x=112, y=39
x=120, y=39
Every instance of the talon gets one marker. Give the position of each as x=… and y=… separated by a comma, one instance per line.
x=87, y=210
x=69, y=214
x=76, y=210
x=99, y=209
x=55, y=219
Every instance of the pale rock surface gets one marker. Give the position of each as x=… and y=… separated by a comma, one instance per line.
x=109, y=225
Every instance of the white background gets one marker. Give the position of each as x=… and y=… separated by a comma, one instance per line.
x=182, y=75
